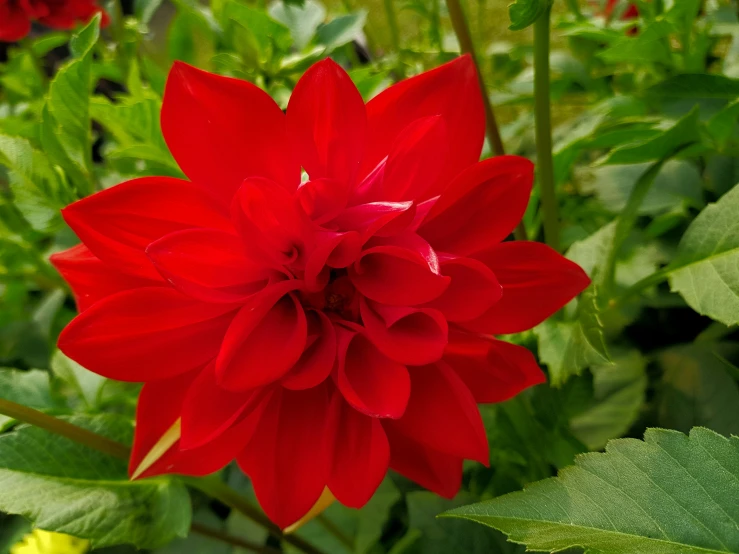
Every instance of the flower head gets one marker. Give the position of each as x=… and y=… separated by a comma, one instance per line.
x=16, y=15
x=319, y=329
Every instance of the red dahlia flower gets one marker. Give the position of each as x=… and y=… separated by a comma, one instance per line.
x=321, y=331
x=16, y=15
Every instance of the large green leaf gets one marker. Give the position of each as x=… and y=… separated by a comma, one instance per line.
x=706, y=269
x=30, y=388
x=697, y=86
x=671, y=494
x=697, y=389
x=62, y=486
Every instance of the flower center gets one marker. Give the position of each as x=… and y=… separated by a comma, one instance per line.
x=338, y=297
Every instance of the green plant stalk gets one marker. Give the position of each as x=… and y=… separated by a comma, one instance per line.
x=229, y=539
x=332, y=528
x=543, y=116
x=211, y=486
x=462, y=30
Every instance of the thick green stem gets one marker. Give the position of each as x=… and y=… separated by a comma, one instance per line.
x=543, y=113
x=462, y=30
x=215, y=488
x=64, y=429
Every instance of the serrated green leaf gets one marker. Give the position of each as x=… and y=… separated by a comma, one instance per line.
x=697, y=388
x=525, y=12
x=667, y=495
x=68, y=488
x=706, y=268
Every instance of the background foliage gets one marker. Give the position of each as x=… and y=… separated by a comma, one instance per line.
x=646, y=162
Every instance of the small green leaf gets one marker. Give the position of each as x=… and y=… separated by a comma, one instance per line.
x=341, y=30
x=706, y=268
x=649, y=46
x=671, y=493
x=525, y=12
x=145, y=9
x=62, y=486
x=266, y=33
x=302, y=20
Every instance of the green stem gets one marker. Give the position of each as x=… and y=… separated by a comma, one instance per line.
x=332, y=528
x=64, y=429
x=640, y=286
x=392, y=21
x=230, y=539
x=215, y=488
x=543, y=113
x=462, y=30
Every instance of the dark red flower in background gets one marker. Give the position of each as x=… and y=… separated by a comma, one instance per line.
x=16, y=15
x=318, y=329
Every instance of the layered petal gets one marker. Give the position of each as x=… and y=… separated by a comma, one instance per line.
x=330, y=250
x=536, y=281
x=369, y=381
x=287, y=458
x=434, y=470
x=91, y=279
x=360, y=454
x=210, y=265
x=493, y=370
x=223, y=130
x=412, y=336
x=147, y=333
x=317, y=360
x=118, y=223
x=442, y=414
x=326, y=121
x=473, y=289
x=322, y=199
x=266, y=338
x=451, y=91
x=382, y=219
x=481, y=206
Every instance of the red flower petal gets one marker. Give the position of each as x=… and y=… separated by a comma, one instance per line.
x=208, y=410
x=493, y=370
x=118, y=223
x=481, y=206
x=473, y=289
x=317, y=360
x=330, y=249
x=209, y=265
x=402, y=274
x=265, y=340
x=90, y=278
x=147, y=333
x=537, y=282
x=14, y=22
x=360, y=454
x=442, y=414
x=287, y=458
x=223, y=130
x=383, y=219
x=451, y=91
x=322, y=199
x=438, y=472
x=410, y=336
x=370, y=381
x=327, y=123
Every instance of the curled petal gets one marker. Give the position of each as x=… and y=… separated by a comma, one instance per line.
x=492, y=369
x=287, y=458
x=147, y=333
x=370, y=381
x=434, y=470
x=322, y=199
x=327, y=123
x=331, y=250
x=442, y=414
x=451, y=91
x=360, y=454
x=383, y=219
x=118, y=223
x=537, y=282
x=223, y=130
x=91, y=279
x=317, y=360
x=473, y=289
x=209, y=265
x=267, y=337
x=411, y=336
x=481, y=206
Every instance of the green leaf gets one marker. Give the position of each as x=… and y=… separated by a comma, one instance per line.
x=86, y=383
x=30, y=388
x=721, y=126
x=619, y=393
x=341, y=30
x=68, y=488
x=697, y=389
x=525, y=12
x=649, y=46
x=696, y=86
x=706, y=268
x=683, y=132
x=301, y=20
x=145, y=9
x=38, y=191
x=669, y=494
x=266, y=33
